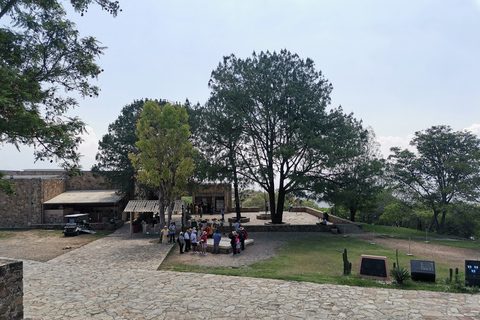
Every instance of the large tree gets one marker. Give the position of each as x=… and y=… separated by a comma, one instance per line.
x=41, y=55
x=444, y=168
x=218, y=141
x=164, y=153
x=359, y=179
x=289, y=138
x=113, y=150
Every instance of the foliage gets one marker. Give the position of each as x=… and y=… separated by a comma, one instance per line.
x=445, y=169
x=41, y=53
x=164, y=153
x=113, y=150
x=358, y=179
x=400, y=274
x=277, y=104
x=6, y=185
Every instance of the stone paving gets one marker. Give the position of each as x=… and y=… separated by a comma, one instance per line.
x=116, y=278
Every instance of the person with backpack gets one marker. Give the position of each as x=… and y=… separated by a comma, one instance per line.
x=233, y=242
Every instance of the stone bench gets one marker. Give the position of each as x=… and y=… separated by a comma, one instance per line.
x=224, y=246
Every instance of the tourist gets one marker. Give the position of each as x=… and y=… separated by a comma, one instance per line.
x=291, y=207
x=243, y=236
x=238, y=243
x=172, y=232
x=164, y=233
x=216, y=241
x=203, y=243
x=233, y=243
x=200, y=212
x=196, y=210
x=181, y=242
x=223, y=215
x=187, y=239
x=193, y=240
x=237, y=225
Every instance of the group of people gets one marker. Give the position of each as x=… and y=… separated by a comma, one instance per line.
x=193, y=239
x=237, y=240
x=196, y=240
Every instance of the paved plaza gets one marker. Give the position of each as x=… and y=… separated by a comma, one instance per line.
x=116, y=278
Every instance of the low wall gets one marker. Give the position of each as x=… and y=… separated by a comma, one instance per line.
x=282, y=228
x=94, y=226
x=11, y=290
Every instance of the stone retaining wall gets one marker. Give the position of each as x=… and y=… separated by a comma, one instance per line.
x=11, y=290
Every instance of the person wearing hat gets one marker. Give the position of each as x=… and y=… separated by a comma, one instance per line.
x=193, y=240
x=181, y=242
x=242, y=235
x=165, y=235
x=187, y=239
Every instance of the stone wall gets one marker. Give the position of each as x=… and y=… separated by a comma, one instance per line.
x=11, y=290
x=24, y=207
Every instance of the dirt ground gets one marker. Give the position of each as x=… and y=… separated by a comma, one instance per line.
x=39, y=245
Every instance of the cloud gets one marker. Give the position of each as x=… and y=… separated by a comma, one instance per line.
x=88, y=148
x=474, y=128
x=389, y=142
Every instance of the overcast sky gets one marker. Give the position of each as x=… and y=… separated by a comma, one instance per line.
x=400, y=66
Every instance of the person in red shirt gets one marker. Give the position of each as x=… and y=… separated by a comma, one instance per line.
x=203, y=243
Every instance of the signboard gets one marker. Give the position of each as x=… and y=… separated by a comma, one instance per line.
x=422, y=270
x=472, y=273
x=373, y=267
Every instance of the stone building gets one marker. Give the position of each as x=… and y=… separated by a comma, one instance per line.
x=213, y=197
x=35, y=189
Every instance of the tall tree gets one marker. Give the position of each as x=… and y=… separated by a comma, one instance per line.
x=218, y=142
x=164, y=157
x=41, y=52
x=445, y=168
x=280, y=102
x=112, y=157
x=359, y=179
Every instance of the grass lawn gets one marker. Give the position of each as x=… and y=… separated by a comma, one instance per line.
x=317, y=258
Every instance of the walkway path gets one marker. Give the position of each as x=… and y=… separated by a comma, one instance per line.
x=116, y=278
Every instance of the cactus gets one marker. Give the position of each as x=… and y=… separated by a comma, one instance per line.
x=347, y=265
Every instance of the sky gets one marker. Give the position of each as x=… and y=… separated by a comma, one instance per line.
x=400, y=66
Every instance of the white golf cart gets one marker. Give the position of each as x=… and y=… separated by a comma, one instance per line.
x=76, y=223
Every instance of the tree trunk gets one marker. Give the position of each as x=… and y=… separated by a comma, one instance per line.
x=280, y=203
x=170, y=210
x=237, y=197
x=353, y=211
x=161, y=209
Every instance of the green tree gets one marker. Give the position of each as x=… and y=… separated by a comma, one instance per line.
x=41, y=53
x=164, y=152
x=219, y=142
x=445, y=168
x=112, y=157
x=280, y=101
x=358, y=180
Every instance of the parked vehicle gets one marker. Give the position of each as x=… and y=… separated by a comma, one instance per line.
x=76, y=223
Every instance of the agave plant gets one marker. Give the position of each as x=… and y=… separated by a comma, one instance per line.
x=400, y=274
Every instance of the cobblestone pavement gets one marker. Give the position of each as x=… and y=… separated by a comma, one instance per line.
x=116, y=278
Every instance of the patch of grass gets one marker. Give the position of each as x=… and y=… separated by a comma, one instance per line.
x=318, y=258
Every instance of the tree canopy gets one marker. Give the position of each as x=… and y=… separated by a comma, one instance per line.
x=287, y=134
x=445, y=168
x=164, y=153
x=359, y=179
x=42, y=53
x=113, y=150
